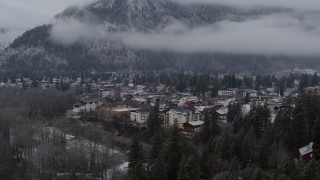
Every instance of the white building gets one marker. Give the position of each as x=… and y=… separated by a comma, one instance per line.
x=227, y=93
x=85, y=106
x=107, y=93
x=183, y=115
x=140, y=116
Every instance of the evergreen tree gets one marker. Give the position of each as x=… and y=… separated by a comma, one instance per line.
x=34, y=83
x=281, y=91
x=157, y=145
x=263, y=150
x=190, y=170
x=135, y=155
x=154, y=123
x=287, y=167
x=311, y=171
x=206, y=134
x=234, y=165
x=8, y=155
x=316, y=139
x=159, y=171
x=238, y=142
x=234, y=112
x=259, y=119
x=173, y=153
x=210, y=127
x=299, y=128
x=139, y=172
x=214, y=127
x=248, y=146
x=283, y=177
x=227, y=146
x=314, y=80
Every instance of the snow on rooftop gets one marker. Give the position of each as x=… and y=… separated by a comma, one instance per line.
x=306, y=149
x=124, y=166
x=125, y=109
x=222, y=110
x=196, y=123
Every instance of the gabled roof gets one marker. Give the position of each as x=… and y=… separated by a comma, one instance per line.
x=126, y=102
x=196, y=123
x=185, y=110
x=306, y=149
x=222, y=111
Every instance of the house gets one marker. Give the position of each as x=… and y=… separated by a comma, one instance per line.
x=192, y=126
x=85, y=105
x=222, y=114
x=107, y=93
x=183, y=115
x=227, y=93
x=119, y=108
x=306, y=152
x=140, y=116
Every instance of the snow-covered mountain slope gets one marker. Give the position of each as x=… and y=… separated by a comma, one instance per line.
x=82, y=40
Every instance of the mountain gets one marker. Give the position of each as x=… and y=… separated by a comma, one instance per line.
x=2, y=47
x=37, y=52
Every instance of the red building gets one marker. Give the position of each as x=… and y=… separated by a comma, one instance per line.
x=306, y=152
x=192, y=126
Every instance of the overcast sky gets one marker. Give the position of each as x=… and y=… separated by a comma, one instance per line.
x=17, y=16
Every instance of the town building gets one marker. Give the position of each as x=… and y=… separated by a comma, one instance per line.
x=183, y=115
x=140, y=116
x=306, y=152
x=192, y=127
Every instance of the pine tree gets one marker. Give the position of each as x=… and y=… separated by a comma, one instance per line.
x=154, y=123
x=248, y=146
x=287, y=167
x=299, y=128
x=210, y=127
x=311, y=171
x=234, y=165
x=139, y=172
x=213, y=125
x=135, y=155
x=204, y=161
x=259, y=119
x=173, y=153
x=190, y=170
x=238, y=142
x=157, y=145
x=227, y=147
x=247, y=98
x=263, y=150
x=284, y=177
x=206, y=132
x=234, y=112
x=159, y=171
x=316, y=139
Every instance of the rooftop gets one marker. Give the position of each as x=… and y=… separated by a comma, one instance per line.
x=195, y=123
x=306, y=149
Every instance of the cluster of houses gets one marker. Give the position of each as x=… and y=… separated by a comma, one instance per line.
x=134, y=103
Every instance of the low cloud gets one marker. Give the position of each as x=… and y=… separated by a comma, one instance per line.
x=3, y=30
x=277, y=34
x=21, y=15
x=69, y=31
x=304, y=5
